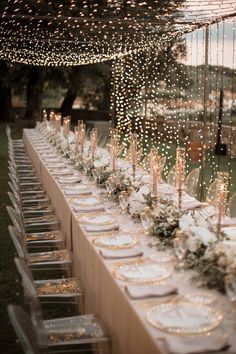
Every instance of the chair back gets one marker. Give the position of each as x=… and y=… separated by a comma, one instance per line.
x=232, y=206
x=171, y=178
x=18, y=241
x=211, y=196
x=191, y=182
x=27, y=278
x=37, y=319
x=24, y=329
x=14, y=187
x=15, y=202
x=16, y=219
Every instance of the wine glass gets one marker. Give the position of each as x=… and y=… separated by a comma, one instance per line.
x=95, y=174
x=180, y=250
x=230, y=287
x=109, y=187
x=147, y=224
x=124, y=201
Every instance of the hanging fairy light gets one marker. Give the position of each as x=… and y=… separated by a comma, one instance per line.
x=81, y=32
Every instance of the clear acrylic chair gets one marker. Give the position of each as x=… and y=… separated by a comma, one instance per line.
x=191, y=182
x=35, y=223
x=50, y=260
x=211, y=196
x=62, y=290
x=39, y=239
x=27, y=195
x=31, y=200
x=38, y=336
x=171, y=178
x=24, y=186
x=31, y=210
x=25, y=330
x=76, y=331
x=232, y=206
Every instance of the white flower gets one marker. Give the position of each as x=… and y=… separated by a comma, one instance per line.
x=143, y=191
x=198, y=236
x=102, y=162
x=146, y=179
x=136, y=207
x=186, y=221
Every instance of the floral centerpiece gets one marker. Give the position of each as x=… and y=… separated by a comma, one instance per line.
x=165, y=219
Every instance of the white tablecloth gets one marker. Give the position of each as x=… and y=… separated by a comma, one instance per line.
x=104, y=294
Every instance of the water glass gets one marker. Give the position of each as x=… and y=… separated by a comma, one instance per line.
x=124, y=201
x=95, y=174
x=230, y=287
x=147, y=223
x=180, y=250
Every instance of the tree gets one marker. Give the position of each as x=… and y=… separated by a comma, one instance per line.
x=90, y=82
x=5, y=93
x=34, y=94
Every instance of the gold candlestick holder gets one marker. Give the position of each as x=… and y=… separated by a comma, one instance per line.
x=222, y=188
x=133, y=152
x=94, y=135
x=180, y=173
x=114, y=153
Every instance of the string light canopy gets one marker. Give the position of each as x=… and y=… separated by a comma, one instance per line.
x=75, y=32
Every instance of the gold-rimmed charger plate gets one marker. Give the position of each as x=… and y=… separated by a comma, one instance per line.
x=118, y=241
x=96, y=219
x=134, y=230
x=141, y=272
x=184, y=318
x=89, y=201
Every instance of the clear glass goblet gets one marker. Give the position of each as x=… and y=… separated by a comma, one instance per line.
x=230, y=287
x=109, y=188
x=124, y=201
x=180, y=250
x=94, y=174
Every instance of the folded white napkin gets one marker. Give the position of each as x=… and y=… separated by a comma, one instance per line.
x=88, y=209
x=141, y=292
x=62, y=172
x=70, y=180
x=192, y=204
x=52, y=159
x=55, y=166
x=166, y=188
x=199, y=344
x=121, y=253
x=77, y=191
x=101, y=228
x=229, y=222
x=225, y=222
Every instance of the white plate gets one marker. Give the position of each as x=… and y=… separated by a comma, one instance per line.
x=63, y=171
x=115, y=241
x=201, y=298
x=91, y=201
x=161, y=257
x=184, y=318
x=69, y=179
x=97, y=219
x=76, y=187
x=230, y=232
x=142, y=272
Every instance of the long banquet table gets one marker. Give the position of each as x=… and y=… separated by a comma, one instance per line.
x=105, y=295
